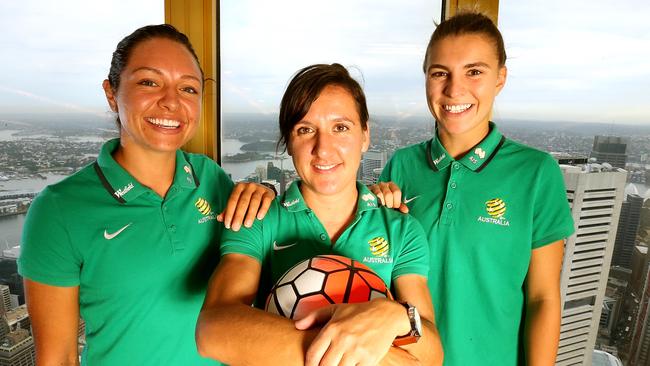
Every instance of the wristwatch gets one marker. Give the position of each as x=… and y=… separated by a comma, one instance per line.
x=416, y=326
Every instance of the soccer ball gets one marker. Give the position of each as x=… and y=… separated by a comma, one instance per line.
x=321, y=281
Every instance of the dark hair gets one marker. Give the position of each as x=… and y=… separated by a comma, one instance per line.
x=468, y=23
x=125, y=48
x=305, y=87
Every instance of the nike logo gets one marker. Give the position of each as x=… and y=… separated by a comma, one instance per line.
x=108, y=236
x=406, y=201
x=280, y=247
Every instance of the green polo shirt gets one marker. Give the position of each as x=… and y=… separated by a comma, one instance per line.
x=141, y=262
x=483, y=214
x=291, y=233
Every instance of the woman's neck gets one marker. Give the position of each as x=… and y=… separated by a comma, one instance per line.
x=151, y=169
x=457, y=145
x=335, y=212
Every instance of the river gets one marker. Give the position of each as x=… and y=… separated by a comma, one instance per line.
x=241, y=170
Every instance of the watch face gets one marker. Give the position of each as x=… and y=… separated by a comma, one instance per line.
x=418, y=322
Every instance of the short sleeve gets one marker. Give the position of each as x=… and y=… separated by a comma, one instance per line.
x=552, y=219
x=47, y=253
x=413, y=258
x=248, y=241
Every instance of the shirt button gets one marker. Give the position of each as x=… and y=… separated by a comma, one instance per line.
x=172, y=228
x=456, y=166
x=449, y=206
x=453, y=184
x=323, y=237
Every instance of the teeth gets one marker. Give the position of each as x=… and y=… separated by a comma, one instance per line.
x=325, y=167
x=456, y=108
x=161, y=122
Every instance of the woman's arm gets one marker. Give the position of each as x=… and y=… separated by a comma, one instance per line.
x=54, y=313
x=543, y=304
x=247, y=201
x=414, y=290
x=363, y=333
x=233, y=332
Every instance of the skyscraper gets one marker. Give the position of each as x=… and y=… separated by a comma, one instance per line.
x=373, y=163
x=5, y=299
x=17, y=349
x=628, y=225
x=640, y=344
x=610, y=149
x=595, y=198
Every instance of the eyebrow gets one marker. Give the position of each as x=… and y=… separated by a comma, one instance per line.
x=468, y=66
x=154, y=70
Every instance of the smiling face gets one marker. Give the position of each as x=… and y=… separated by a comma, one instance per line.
x=463, y=77
x=159, y=97
x=327, y=143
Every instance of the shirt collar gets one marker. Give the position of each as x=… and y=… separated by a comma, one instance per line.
x=476, y=159
x=292, y=198
x=123, y=186
x=293, y=201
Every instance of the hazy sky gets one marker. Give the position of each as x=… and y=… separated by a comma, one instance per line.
x=578, y=60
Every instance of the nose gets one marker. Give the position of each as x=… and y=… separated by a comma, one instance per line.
x=323, y=144
x=455, y=86
x=169, y=99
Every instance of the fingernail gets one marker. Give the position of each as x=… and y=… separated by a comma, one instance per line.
x=248, y=223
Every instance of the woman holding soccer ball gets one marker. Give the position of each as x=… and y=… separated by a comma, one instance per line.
x=324, y=126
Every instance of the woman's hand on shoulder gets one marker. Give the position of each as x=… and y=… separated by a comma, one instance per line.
x=246, y=202
x=389, y=195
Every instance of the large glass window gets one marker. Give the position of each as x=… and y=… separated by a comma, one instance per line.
x=53, y=113
x=264, y=43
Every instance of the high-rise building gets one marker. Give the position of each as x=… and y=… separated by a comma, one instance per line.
x=595, y=198
x=628, y=225
x=5, y=299
x=373, y=163
x=18, y=318
x=601, y=358
x=640, y=344
x=639, y=269
x=17, y=349
x=610, y=149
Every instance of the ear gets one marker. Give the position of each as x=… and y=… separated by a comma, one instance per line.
x=110, y=95
x=501, y=78
x=366, y=138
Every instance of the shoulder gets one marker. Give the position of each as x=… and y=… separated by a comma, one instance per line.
x=519, y=154
x=410, y=151
x=207, y=169
x=395, y=221
x=74, y=187
x=524, y=151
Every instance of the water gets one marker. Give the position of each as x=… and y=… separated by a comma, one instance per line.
x=241, y=170
x=31, y=184
x=11, y=228
x=8, y=135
